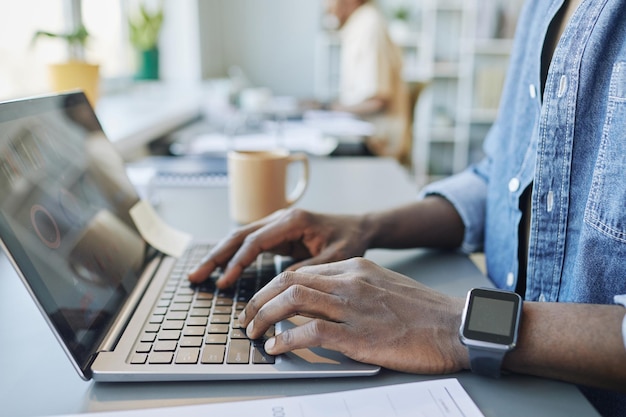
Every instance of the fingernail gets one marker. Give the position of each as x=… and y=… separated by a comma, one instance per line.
x=269, y=344
x=249, y=328
x=242, y=316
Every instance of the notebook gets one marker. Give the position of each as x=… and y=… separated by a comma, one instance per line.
x=121, y=308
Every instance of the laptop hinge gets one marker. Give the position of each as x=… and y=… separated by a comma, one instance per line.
x=129, y=307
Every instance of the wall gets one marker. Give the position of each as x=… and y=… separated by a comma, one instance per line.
x=273, y=41
x=179, y=48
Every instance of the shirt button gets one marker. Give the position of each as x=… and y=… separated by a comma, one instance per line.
x=514, y=185
x=532, y=90
x=510, y=279
x=550, y=201
x=542, y=298
x=562, y=86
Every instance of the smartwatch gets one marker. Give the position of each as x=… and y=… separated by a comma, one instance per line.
x=489, y=328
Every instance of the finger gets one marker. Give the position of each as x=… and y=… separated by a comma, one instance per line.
x=263, y=239
x=218, y=255
x=222, y=253
x=268, y=292
x=326, y=268
x=271, y=306
x=202, y=271
x=311, y=334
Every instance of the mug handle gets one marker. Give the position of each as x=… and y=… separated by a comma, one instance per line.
x=303, y=182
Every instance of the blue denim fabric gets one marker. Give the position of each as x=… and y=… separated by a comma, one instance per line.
x=571, y=144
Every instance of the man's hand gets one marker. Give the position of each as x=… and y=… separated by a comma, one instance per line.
x=308, y=237
x=364, y=311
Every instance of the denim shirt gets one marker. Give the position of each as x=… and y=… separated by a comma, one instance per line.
x=570, y=143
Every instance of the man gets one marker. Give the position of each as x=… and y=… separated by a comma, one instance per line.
x=546, y=204
x=371, y=85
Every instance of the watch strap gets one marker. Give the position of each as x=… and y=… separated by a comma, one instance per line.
x=486, y=361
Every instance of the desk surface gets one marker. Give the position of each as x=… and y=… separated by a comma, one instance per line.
x=37, y=379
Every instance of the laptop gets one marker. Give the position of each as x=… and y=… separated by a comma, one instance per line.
x=122, y=309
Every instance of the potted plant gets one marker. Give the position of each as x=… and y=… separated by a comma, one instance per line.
x=144, y=30
x=399, y=27
x=75, y=72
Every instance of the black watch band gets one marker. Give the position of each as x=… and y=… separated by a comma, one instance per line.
x=486, y=361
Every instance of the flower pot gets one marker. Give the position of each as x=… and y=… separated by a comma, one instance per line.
x=147, y=64
x=74, y=75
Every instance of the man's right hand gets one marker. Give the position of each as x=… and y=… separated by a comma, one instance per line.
x=308, y=237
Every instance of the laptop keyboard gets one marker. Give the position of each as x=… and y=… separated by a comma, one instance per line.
x=197, y=324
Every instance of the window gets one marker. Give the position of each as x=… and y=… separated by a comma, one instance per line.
x=106, y=22
x=23, y=65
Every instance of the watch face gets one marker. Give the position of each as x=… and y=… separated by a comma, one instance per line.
x=492, y=316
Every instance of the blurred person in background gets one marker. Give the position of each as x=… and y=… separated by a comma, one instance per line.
x=371, y=85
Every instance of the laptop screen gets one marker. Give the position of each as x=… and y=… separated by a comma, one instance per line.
x=64, y=216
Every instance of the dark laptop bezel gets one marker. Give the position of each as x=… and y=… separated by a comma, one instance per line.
x=80, y=356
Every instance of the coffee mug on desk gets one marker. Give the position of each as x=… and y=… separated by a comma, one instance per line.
x=258, y=182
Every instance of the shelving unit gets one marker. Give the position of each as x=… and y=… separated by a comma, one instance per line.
x=460, y=49
x=465, y=50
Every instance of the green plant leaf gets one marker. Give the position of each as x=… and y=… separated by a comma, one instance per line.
x=75, y=37
x=145, y=27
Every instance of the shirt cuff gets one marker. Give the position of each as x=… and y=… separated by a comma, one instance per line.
x=467, y=192
x=621, y=299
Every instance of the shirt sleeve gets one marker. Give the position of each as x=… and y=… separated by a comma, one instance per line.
x=467, y=192
x=621, y=299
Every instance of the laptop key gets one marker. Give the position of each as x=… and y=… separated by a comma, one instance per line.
x=143, y=347
x=259, y=356
x=220, y=319
x=197, y=321
x=218, y=328
x=169, y=335
x=139, y=358
x=238, y=334
x=151, y=328
x=213, y=354
x=176, y=315
x=194, y=331
x=148, y=337
x=173, y=325
x=204, y=296
x=187, y=355
x=159, y=311
x=164, y=346
x=222, y=310
x=185, y=291
x=238, y=351
x=224, y=301
x=191, y=341
x=216, y=339
x=163, y=303
x=199, y=312
x=202, y=303
x=180, y=306
x=183, y=298
x=160, y=357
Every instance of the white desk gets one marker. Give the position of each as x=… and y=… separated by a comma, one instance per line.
x=36, y=379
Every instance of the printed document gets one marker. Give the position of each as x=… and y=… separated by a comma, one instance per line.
x=437, y=398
